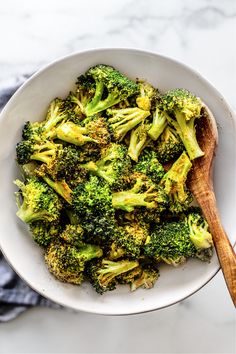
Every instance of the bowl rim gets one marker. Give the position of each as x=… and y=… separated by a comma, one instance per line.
x=120, y=49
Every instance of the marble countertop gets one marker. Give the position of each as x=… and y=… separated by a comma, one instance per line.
x=199, y=33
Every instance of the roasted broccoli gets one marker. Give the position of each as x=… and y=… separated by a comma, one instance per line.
x=121, y=121
x=200, y=235
x=149, y=165
x=175, y=241
x=138, y=139
x=140, y=277
x=45, y=232
x=105, y=176
x=27, y=150
x=73, y=235
x=169, y=145
x=67, y=263
x=92, y=201
x=40, y=202
x=147, y=95
x=144, y=193
x=103, y=273
x=170, y=242
x=113, y=165
x=130, y=237
x=111, y=87
x=183, y=108
x=159, y=122
x=174, y=184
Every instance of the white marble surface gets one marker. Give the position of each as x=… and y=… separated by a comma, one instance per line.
x=200, y=33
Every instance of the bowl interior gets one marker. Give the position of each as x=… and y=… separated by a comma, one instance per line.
x=30, y=103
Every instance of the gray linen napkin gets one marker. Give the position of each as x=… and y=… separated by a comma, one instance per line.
x=15, y=295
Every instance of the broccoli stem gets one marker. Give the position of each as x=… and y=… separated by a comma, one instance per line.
x=158, y=125
x=94, y=107
x=61, y=187
x=27, y=215
x=187, y=134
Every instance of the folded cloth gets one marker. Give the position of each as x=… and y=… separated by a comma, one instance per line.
x=15, y=295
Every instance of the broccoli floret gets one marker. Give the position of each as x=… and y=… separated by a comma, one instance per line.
x=103, y=273
x=199, y=235
x=73, y=134
x=147, y=95
x=61, y=187
x=175, y=241
x=44, y=232
x=27, y=150
x=138, y=138
x=144, y=193
x=32, y=131
x=72, y=107
x=169, y=145
x=183, y=108
x=67, y=263
x=111, y=87
x=146, y=278
x=123, y=120
x=174, y=184
x=159, y=122
x=40, y=202
x=113, y=165
x=64, y=164
x=149, y=165
x=55, y=115
x=73, y=235
x=131, y=237
x=92, y=201
x=113, y=251
x=170, y=243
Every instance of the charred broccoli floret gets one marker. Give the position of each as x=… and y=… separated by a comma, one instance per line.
x=92, y=201
x=138, y=139
x=183, y=109
x=159, y=122
x=73, y=235
x=44, y=232
x=67, y=263
x=174, y=184
x=27, y=150
x=149, y=165
x=140, y=277
x=175, y=241
x=147, y=95
x=169, y=145
x=144, y=193
x=200, y=235
x=103, y=273
x=121, y=121
x=131, y=237
x=113, y=165
x=110, y=87
x=61, y=187
x=40, y=202
x=170, y=243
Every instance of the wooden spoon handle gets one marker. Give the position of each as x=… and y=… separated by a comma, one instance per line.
x=226, y=255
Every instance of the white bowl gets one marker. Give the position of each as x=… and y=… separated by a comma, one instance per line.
x=30, y=103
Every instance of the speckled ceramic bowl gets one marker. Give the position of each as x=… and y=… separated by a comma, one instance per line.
x=30, y=103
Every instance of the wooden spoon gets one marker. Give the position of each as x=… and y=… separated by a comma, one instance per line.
x=201, y=185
